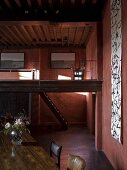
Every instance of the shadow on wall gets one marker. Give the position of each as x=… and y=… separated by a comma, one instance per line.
x=14, y=103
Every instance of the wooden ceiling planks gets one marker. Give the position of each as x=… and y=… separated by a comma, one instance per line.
x=18, y=3
x=40, y=23
x=39, y=34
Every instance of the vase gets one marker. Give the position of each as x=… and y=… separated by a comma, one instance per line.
x=16, y=137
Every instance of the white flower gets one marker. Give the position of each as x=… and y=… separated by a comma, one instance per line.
x=7, y=125
x=27, y=122
x=18, y=122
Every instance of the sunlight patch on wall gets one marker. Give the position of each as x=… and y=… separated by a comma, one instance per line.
x=25, y=75
x=83, y=93
x=32, y=75
x=61, y=77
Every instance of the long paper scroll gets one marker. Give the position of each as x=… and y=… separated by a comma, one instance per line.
x=116, y=45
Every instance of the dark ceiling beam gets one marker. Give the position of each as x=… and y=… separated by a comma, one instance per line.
x=29, y=3
x=39, y=3
x=51, y=10
x=29, y=10
x=83, y=2
x=8, y=4
x=39, y=45
x=60, y=24
x=81, y=16
x=18, y=3
x=3, y=7
x=25, y=6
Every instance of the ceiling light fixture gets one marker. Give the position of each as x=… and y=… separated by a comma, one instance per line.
x=45, y=11
x=26, y=12
x=57, y=11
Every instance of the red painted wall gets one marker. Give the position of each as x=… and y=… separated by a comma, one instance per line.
x=47, y=73
x=115, y=151
x=91, y=55
x=91, y=73
x=89, y=112
x=71, y=105
x=91, y=104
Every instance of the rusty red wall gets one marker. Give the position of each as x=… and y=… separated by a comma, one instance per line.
x=115, y=151
x=47, y=73
x=91, y=73
x=71, y=105
x=91, y=104
x=89, y=111
x=91, y=55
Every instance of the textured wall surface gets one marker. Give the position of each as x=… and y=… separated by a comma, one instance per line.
x=91, y=56
x=115, y=151
x=91, y=72
x=116, y=51
x=71, y=105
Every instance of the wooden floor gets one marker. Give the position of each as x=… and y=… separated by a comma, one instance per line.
x=75, y=140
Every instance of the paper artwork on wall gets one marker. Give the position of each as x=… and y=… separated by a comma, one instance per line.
x=116, y=45
x=12, y=60
x=62, y=60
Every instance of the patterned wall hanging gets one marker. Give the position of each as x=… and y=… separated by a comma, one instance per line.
x=116, y=45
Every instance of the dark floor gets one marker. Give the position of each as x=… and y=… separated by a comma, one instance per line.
x=75, y=140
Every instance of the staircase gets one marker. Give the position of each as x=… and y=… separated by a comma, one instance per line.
x=54, y=109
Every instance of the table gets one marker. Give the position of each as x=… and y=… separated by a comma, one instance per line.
x=28, y=156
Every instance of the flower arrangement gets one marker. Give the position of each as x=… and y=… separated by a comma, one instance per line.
x=18, y=126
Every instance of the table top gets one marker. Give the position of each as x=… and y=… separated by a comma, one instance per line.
x=27, y=156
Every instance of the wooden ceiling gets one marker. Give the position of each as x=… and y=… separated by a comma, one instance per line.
x=40, y=23
x=41, y=34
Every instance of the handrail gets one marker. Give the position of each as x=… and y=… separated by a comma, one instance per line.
x=16, y=70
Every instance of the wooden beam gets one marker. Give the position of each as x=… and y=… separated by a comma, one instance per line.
x=18, y=3
x=50, y=86
x=29, y=3
x=46, y=23
x=39, y=3
x=5, y=36
x=8, y=3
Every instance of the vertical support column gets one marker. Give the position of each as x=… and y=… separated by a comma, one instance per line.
x=99, y=51
x=98, y=120
x=30, y=102
x=98, y=110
